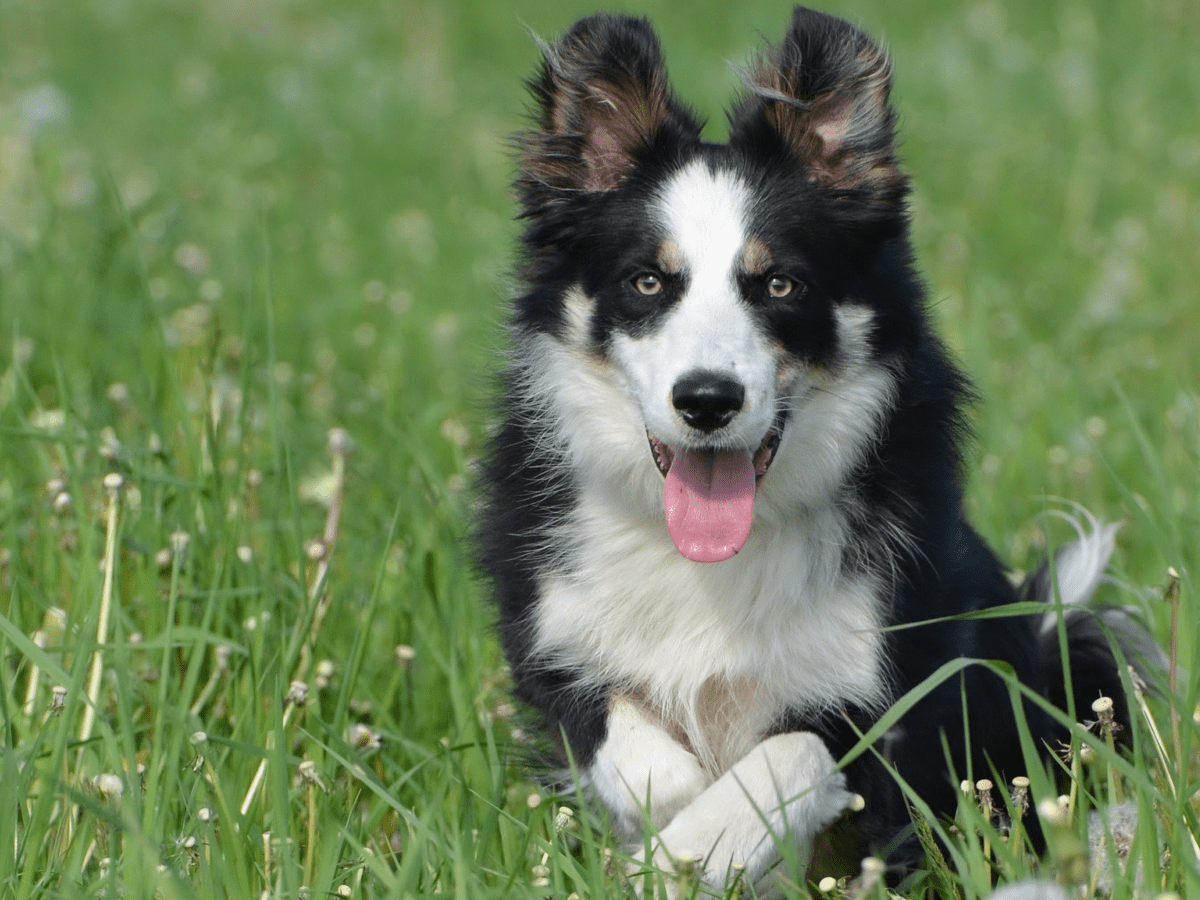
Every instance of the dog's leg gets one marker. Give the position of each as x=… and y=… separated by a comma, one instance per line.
x=640, y=762
x=785, y=789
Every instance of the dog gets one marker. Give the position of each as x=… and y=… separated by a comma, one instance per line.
x=728, y=465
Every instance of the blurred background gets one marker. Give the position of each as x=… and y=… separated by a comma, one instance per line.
x=228, y=227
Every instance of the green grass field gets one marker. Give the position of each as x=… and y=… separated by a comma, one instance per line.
x=253, y=260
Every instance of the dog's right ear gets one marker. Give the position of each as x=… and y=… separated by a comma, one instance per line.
x=603, y=103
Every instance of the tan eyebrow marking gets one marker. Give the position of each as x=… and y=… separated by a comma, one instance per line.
x=670, y=257
x=756, y=257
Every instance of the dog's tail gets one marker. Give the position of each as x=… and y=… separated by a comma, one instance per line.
x=1096, y=635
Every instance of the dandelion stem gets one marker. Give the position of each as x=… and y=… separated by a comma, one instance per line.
x=261, y=771
x=1171, y=595
x=339, y=444
x=35, y=674
x=310, y=850
x=112, y=483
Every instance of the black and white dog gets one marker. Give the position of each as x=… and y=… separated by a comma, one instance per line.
x=730, y=459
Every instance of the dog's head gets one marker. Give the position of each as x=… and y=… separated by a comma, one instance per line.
x=749, y=300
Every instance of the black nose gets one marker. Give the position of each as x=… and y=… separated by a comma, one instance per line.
x=707, y=400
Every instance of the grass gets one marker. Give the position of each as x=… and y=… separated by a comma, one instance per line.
x=260, y=666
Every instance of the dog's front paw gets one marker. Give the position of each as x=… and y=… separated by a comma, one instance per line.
x=642, y=772
x=786, y=789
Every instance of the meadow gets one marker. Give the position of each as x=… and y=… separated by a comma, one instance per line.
x=254, y=259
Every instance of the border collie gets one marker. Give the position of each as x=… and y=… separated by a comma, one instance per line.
x=730, y=462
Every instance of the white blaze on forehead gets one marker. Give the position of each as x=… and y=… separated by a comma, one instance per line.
x=705, y=214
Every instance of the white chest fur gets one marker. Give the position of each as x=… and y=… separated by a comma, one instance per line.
x=717, y=650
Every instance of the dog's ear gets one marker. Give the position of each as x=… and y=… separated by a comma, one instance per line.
x=824, y=92
x=603, y=103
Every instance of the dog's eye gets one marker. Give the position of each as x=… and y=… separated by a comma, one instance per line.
x=647, y=283
x=779, y=286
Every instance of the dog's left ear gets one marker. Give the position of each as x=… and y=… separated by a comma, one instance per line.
x=823, y=93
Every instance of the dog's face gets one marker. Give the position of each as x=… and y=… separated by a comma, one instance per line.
x=742, y=298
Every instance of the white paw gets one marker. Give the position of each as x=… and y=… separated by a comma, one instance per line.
x=640, y=763
x=785, y=789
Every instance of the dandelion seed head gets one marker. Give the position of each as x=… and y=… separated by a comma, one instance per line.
x=109, y=786
x=109, y=446
x=505, y=710
x=362, y=737
x=827, y=884
x=113, y=481
x=297, y=694
x=454, y=431
x=873, y=865
x=1096, y=427
x=307, y=770
x=192, y=258
x=563, y=819
x=339, y=441
x=685, y=864
x=325, y=672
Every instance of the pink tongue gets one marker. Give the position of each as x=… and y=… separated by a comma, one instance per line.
x=709, y=502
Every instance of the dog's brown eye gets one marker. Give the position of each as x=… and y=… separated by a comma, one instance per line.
x=647, y=283
x=779, y=286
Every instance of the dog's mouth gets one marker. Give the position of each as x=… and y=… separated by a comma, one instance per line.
x=708, y=494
